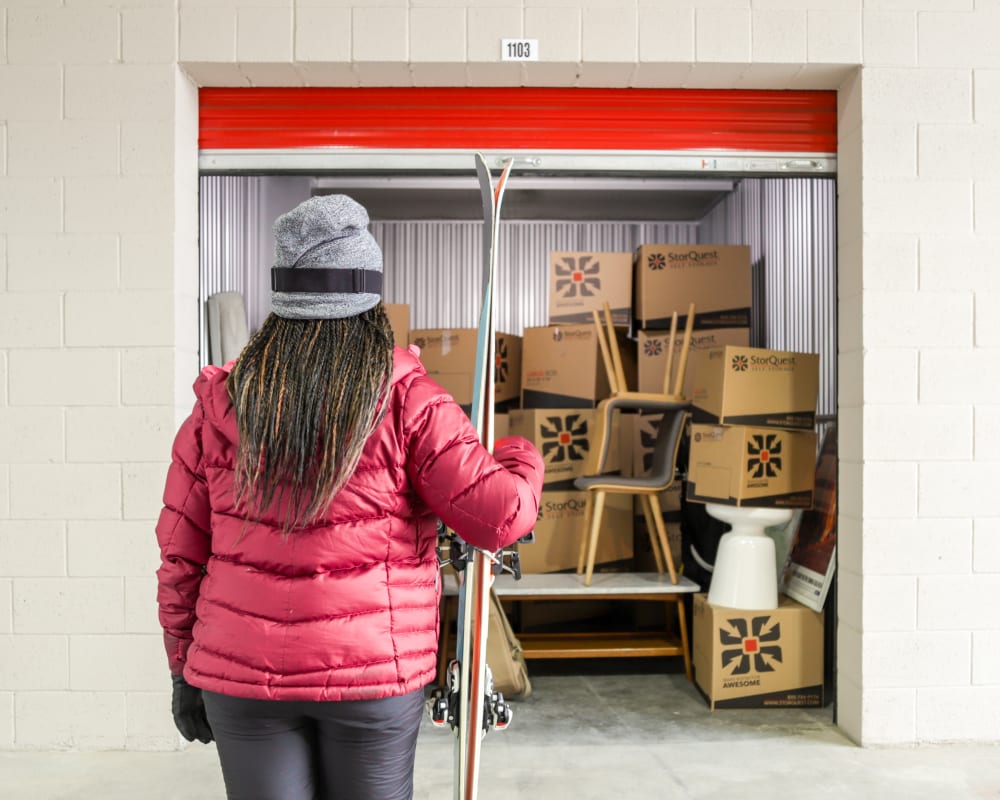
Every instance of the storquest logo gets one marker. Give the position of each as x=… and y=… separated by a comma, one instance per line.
x=750, y=649
x=652, y=347
x=564, y=439
x=740, y=363
x=578, y=277
x=656, y=261
x=764, y=455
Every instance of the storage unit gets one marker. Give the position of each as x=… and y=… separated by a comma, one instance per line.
x=578, y=193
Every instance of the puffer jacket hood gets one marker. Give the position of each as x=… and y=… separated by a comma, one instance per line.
x=346, y=608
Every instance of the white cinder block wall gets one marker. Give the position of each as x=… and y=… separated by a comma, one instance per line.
x=98, y=263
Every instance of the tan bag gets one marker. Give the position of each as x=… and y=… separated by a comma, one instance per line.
x=504, y=655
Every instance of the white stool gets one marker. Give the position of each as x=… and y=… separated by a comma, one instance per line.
x=745, y=575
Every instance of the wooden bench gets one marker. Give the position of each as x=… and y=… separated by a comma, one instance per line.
x=649, y=586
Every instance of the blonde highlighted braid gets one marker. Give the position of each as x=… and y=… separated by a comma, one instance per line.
x=307, y=394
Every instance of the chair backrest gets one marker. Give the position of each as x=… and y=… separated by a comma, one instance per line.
x=665, y=448
x=667, y=445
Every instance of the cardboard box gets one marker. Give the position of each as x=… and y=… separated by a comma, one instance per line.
x=399, y=319
x=758, y=659
x=565, y=438
x=716, y=278
x=562, y=366
x=738, y=465
x=582, y=281
x=501, y=425
x=652, y=355
x=449, y=356
x=753, y=386
x=560, y=531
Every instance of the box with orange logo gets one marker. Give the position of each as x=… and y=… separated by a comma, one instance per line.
x=758, y=659
x=580, y=282
x=738, y=465
x=566, y=439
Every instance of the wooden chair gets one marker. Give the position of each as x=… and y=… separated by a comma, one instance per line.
x=674, y=407
x=646, y=487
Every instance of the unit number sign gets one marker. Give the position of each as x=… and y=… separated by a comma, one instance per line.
x=519, y=49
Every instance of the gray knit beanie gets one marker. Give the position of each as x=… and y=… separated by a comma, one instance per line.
x=326, y=263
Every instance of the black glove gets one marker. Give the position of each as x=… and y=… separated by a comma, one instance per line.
x=189, y=711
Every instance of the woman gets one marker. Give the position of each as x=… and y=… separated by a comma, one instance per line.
x=299, y=584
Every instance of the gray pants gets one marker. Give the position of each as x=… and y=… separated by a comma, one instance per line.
x=286, y=750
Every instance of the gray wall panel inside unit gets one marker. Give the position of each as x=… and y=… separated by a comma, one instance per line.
x=436, y=266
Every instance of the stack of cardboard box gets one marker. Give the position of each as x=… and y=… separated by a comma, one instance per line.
x=562, y=381
x=753, y=444
x=668, y=277
x=753, y=440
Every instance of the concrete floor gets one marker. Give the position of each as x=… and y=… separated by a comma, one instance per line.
x=589, y=732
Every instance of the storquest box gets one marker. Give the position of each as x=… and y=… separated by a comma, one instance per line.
x=449, y=356
x=754, y=386
x=580, y=282
x=653, y=350
x=715, y=277
x=566, y=439
x=560, y=530
x=758, y=659
x=562, y=366
x=739, y=465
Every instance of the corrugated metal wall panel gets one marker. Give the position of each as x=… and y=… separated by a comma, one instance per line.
x=228, y=252
x=436, y=266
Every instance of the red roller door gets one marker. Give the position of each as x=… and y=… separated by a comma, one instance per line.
x=496, y=118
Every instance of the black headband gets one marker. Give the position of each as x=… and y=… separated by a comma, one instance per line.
x=326, y=281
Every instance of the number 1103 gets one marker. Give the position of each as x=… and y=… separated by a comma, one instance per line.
x=518, y=49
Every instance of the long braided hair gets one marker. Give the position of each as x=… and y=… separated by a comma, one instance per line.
x=307, y=394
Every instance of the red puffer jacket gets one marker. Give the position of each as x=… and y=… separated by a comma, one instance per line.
x=347, y=608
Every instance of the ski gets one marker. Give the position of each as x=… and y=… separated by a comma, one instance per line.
x=469, y=703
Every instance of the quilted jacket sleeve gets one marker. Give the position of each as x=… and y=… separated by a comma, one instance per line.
x=489, y=500
x=183, y=533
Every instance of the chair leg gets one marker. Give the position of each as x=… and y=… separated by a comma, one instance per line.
x=593, y=533
x=661, y=531
x=588, y=515
x=654, y=540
